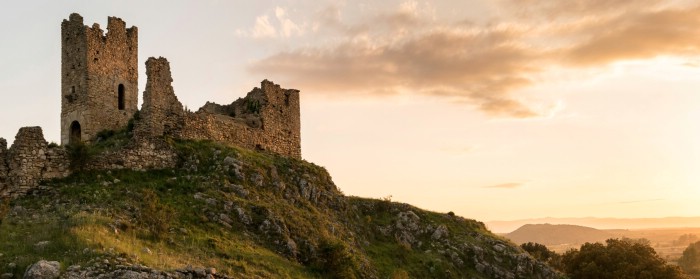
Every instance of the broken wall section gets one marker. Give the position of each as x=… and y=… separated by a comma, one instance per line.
x=30, y=161
x=161, y=113
x=3, y=165
x=268, y=118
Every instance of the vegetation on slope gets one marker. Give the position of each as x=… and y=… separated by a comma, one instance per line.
x=248, y=215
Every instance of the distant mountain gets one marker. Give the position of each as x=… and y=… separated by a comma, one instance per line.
x=600, y=223
x=548, y=234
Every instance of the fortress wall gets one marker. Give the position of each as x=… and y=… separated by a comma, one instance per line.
x=266, y=119
x=31, y=161
x=139, y=155
x=161, y=113
x=3, y=165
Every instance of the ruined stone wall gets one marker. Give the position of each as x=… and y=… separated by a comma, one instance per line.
x=31, y=161
x=161, y=113
x=268, y=118
x=3, y=165
x=95, y=69
x=139, y=155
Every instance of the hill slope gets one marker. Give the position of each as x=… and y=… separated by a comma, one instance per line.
x=548, y=234
x=228, y=212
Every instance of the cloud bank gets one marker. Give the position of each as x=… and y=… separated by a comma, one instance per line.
x=483, y=65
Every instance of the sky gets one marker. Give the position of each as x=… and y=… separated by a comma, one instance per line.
x=492, y=109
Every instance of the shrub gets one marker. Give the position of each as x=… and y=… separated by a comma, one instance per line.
x=399, y=274
x=690, y=260
x=79, y=155
x=336, y=260
x=104, y=135
x=155, y=216
x=4, y=208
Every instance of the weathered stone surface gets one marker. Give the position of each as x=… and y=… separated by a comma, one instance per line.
x=99, y=77
x=43, y=270
x=30, y=160
x=3, y=166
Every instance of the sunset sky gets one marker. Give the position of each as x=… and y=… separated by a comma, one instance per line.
x=493, y=109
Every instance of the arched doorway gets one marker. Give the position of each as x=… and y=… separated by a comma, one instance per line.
x=75, y=134
x=120, y=97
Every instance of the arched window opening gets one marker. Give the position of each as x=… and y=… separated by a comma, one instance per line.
x=120, y=97
x=75, y=134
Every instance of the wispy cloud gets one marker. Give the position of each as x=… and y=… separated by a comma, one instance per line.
x=640, y=201
x=511, y=185
x=281, y=26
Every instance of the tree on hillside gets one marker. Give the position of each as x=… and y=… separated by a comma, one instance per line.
x=690, y=261
x=618, y=259
x=543, y=254
x=685, y=239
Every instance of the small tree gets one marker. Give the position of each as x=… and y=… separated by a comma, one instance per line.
x=690, y=260
x=155, y=215
x=543, y=254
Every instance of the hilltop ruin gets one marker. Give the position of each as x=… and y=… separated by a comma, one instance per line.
x=99, y=92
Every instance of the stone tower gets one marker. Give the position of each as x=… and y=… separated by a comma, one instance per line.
x=99, y=77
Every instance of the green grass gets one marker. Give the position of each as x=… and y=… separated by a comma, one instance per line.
x=163, y=219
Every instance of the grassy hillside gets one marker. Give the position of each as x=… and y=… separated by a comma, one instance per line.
x=243, y=214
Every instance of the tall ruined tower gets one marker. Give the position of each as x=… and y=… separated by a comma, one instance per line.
x=99, y=77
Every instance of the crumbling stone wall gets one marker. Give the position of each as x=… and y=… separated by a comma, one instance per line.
x=99, y=76
x=266, y=119
x=30, y=161
x=139, y=155
x=161, y=113
x=3, y=165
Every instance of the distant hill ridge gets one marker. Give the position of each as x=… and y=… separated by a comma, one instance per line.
x=600, y=223
x=549, y=234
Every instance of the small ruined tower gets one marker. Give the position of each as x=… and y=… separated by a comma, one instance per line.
x=99, y=77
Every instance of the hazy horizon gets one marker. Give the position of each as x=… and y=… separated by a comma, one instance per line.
x=495, y=110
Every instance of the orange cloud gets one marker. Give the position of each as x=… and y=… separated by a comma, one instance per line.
x=639, y=36
x=480, y=68
x=482, y=65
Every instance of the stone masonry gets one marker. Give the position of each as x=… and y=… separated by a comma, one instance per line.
x=30, y=161
x=266, y=119
x=3, y=165
x=99, y=77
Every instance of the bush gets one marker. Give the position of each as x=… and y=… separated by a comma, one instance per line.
x=617, y=259
x=336, y=260
x=79, y=155
x=4, y=208
x=543, y=254
x=104, y=135
x=690, y=260
x=155, y=216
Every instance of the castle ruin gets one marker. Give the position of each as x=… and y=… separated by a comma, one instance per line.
x=99, y=91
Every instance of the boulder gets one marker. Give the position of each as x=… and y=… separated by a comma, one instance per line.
x=43, y=270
